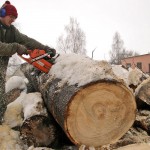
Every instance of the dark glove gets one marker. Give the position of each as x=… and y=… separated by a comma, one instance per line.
x=52, y=51
x=21, y=50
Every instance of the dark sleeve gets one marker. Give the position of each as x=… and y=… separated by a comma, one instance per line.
x=8, y=49
x=30, y=43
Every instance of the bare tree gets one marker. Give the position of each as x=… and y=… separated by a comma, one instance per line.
x=74, y=39
x=117, y=48
x=118, y=52
x=127, y=53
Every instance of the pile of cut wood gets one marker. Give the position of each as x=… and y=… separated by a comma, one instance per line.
x=89, y=104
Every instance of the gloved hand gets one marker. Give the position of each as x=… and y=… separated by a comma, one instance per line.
x=21, y=49
x=52, y=51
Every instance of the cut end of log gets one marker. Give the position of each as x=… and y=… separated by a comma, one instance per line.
x=100, y=114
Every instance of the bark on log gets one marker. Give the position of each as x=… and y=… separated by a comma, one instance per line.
x=37, y=129
x=94, y=114
x=12, y=95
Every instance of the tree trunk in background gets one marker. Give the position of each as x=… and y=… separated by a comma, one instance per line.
x=94, y=114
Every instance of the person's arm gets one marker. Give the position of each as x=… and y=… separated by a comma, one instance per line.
x=8, y=49
x=31, y=43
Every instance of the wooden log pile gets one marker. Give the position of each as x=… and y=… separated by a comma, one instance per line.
x=86, y=100
x=89, y=104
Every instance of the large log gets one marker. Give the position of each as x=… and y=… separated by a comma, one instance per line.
x=95, y=114
x=87, y=100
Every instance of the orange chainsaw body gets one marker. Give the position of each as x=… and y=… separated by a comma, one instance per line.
x=41, y=64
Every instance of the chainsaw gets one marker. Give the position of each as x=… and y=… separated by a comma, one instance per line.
x=39, y=59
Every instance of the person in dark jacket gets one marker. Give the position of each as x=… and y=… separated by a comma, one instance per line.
x=11, y=42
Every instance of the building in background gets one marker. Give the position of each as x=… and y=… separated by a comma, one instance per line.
x=140, y=61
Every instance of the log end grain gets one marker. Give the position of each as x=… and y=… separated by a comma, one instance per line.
x=100, y=114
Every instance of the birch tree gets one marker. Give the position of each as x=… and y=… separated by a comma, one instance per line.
x=74, y=39
x=118, y=51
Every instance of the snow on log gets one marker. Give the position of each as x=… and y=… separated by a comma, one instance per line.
x=16, y=82
x=13, y=114
x=136, y=77
x=88, y=101
x=28, y=114
x=121, y=72
x=13, y=87
x=142, y=92
x=132, y=77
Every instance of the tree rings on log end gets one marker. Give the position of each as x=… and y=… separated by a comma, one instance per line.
x=100, y=114
x=38, y=131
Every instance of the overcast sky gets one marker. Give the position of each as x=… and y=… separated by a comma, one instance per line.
x=44, y=20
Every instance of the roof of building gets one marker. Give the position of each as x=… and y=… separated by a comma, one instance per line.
x=136, y=56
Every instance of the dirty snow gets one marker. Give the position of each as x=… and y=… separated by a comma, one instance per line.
x=121, y=72
x=13, y=113
x=135, y=76
x=142, y=84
